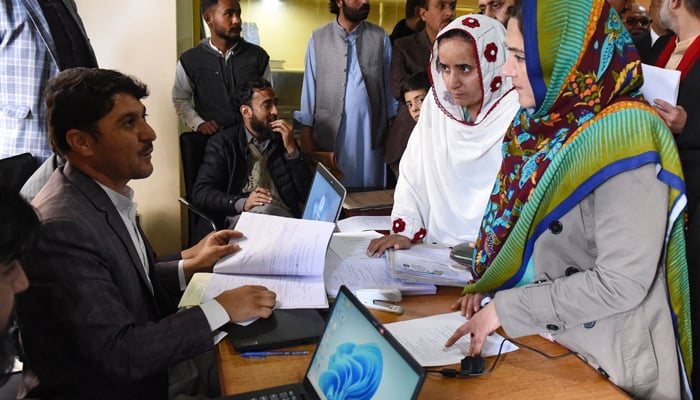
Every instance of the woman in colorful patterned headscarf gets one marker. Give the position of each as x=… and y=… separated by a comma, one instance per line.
x=454, y=151
x=583, y=235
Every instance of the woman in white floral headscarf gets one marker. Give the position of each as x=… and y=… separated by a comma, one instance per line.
x=453, y=156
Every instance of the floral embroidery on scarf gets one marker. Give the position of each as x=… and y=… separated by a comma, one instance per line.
x=496, y=83
x=471, y=22
x=490, y=52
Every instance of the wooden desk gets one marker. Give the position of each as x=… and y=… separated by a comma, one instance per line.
x=375, y=202
x=521, y=374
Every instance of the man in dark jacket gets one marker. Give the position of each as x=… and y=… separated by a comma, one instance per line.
x=255, y=166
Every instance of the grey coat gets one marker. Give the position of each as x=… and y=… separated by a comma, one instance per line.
x=600, y=288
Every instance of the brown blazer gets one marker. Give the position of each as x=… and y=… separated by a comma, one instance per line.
x=92, y=324
x=409, y=55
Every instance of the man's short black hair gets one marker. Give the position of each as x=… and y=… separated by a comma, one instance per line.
x=205, y=5
x=79, y=97
x=248, y=88
x=416, y=81
x=411, y=6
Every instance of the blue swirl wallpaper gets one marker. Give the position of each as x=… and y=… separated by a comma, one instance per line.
x=354, y=372
x=355, y=362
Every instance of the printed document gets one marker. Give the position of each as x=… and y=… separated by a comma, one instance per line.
x=286, y=255
x=425, y=338
x=347, y=264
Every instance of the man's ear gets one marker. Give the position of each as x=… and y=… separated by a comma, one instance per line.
x=207, y=17
x=421, y=12
x=80, y=142
x=246, y=111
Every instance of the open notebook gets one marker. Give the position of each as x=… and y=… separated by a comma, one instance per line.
x=356, y=356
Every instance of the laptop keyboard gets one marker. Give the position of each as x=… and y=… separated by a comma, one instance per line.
x=286, y=395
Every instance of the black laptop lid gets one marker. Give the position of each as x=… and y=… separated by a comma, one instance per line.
x=283, y=328
x=358, y=358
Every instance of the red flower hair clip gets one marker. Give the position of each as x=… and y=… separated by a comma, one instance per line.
x=399, y=225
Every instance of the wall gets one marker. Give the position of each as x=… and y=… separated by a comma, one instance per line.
x=139, y=37
x=285, y=26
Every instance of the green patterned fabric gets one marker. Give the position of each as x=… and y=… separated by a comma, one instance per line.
x=589, y=123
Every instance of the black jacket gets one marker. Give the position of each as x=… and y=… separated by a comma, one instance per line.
x=225, y=169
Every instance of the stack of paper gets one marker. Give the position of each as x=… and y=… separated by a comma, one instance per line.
x=347, y=264
x=286, y=255
x=427, y=263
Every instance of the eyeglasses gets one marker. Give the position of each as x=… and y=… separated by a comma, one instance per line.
x=641, y=21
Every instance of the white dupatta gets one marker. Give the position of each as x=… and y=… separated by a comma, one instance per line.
x=448, y=170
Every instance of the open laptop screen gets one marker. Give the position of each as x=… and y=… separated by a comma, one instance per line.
x=325, y=197
x=360, y=359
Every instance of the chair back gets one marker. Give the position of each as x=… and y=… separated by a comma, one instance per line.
x=192, y=145
x=15, y=170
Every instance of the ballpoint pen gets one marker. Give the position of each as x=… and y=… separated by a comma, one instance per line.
x=263, y=354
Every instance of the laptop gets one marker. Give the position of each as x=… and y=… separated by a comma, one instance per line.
x=356, y=357
x=282, y=328
x=325, y=198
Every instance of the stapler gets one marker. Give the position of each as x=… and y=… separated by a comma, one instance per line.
x=381, y=299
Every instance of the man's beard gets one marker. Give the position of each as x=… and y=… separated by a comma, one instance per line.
x=355, y=15
x=665, y=15
x=261, y=127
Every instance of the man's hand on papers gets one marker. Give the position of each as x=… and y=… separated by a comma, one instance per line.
x=377, y=246
x=202, y=256
x=469, y=304
x=480, y=326
x=247, y=302
x=675, y=117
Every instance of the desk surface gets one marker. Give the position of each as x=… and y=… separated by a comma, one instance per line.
x=521, y=374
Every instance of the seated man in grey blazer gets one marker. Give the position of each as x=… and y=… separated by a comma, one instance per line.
x=98, y=320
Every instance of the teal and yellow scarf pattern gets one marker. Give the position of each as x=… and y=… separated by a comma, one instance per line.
x=590, y=123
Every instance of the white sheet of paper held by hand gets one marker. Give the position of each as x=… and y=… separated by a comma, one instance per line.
x=660, y=83
x=425, y=339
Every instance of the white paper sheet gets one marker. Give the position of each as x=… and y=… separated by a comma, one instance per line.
x=278, y=246
x=365, y=223
x=425, y=337
x=660, y=83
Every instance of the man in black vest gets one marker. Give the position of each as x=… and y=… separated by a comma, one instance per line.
x=208, y=74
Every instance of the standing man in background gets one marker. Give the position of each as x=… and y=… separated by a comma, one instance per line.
x=207, y=75
x=409, y=25
x=636, y=19
x=346, y=100
x=646, y=43
x=497, y=9
x=38, y=38
x=409, y=56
